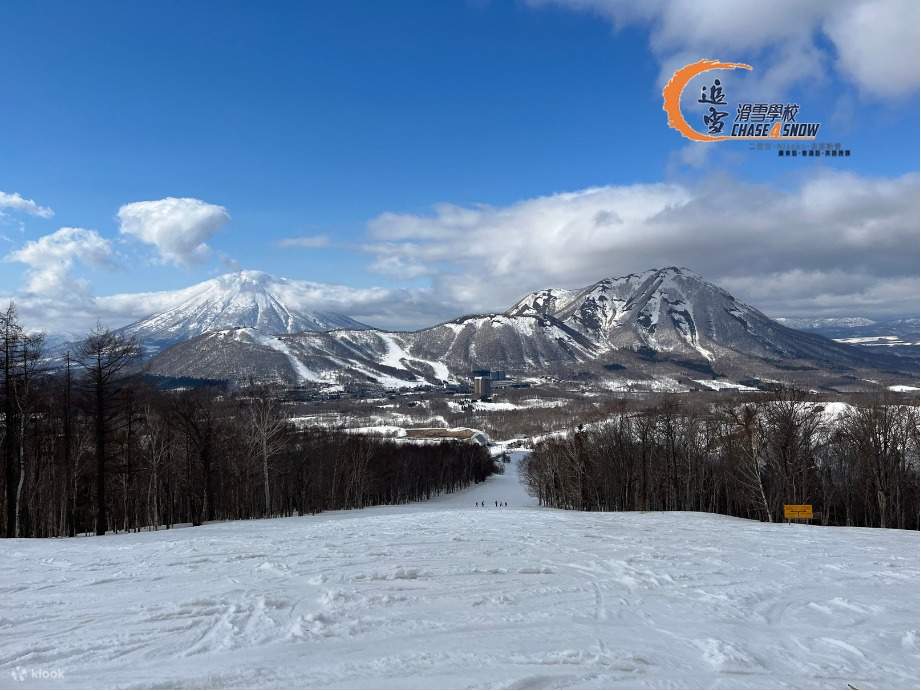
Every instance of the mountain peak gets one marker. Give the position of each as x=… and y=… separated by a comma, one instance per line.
x=670, y=309
x=680, y=271
x=250, y=299
x=662, y=272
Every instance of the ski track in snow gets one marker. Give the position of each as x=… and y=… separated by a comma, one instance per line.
x=445, y=594
x=302, y=372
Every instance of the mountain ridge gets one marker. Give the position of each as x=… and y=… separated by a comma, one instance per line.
x=668, y=320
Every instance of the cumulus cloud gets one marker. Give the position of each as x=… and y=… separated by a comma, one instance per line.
x=17, y=202
x=51, y=258
x=305, y=241
x=54, y=298
x=874, y=42
x=179, y=228
x=837, y=242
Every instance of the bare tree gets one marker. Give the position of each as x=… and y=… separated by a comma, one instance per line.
x=156, y=446
x=104, y=355
x=30, y=351
x=196, y=414
x=266, y=423
x=11, y=333
x=881, y=434
x=791, y=427
x=70, y=491
x=747, y=429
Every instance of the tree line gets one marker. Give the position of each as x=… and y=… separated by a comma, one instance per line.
x=857, y=466
x=90, y=446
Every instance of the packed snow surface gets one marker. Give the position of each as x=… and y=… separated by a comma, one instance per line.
x=449, y=594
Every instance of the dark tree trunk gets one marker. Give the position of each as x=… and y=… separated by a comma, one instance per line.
x=100, y=461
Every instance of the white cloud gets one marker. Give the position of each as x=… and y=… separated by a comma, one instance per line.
x=305, y=241
x=396, y=265
x=178, y=227
x=835, y=245
x=17, y=202
x=51, y=258
x=53, y=298
x=875, y=41
x=877, y=44
x=830, y=228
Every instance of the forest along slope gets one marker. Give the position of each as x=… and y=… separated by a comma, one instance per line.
x=448, y=594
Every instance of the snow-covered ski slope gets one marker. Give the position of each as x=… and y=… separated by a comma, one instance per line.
x=446, y=594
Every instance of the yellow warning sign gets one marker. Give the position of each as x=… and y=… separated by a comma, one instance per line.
x=797, y=511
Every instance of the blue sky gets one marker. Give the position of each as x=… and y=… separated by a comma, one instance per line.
x=347, y=123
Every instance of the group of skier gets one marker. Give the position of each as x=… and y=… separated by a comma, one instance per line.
x=497, y=503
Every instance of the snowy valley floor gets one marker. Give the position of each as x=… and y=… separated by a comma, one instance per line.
x=444, y=594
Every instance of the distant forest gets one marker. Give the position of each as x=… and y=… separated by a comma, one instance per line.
x=859, y=468
x=89, y=448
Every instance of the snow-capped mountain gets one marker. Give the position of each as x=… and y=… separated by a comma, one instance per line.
x=250, y=299
x=668, y=321
x=676, y=311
